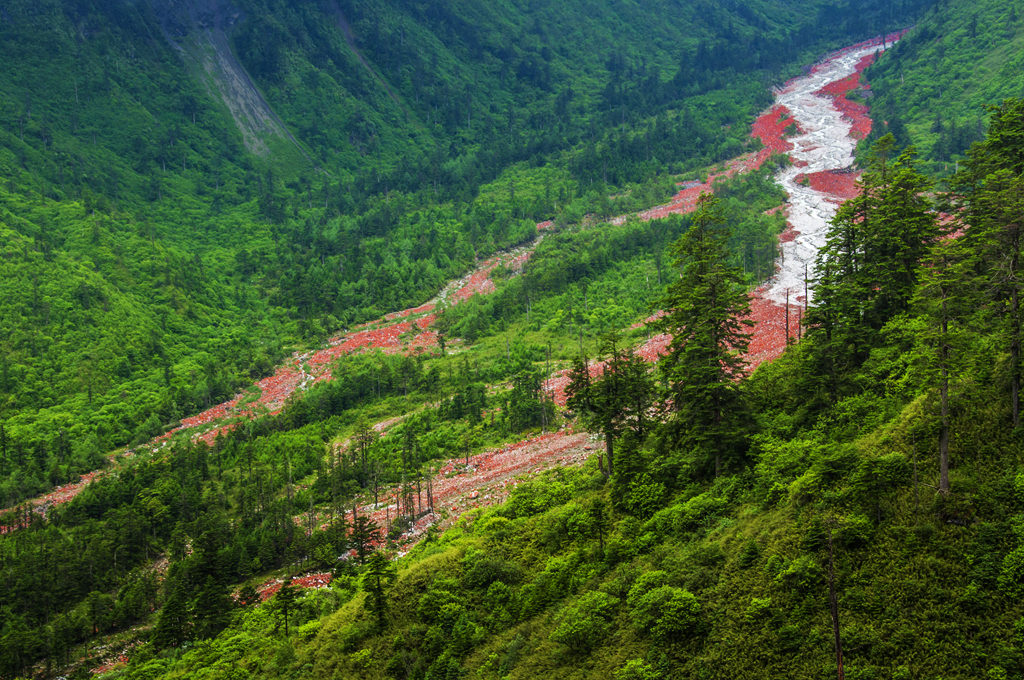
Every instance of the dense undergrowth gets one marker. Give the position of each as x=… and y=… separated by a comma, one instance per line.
x=664, y=570
x=318, y=456
x=672, y=569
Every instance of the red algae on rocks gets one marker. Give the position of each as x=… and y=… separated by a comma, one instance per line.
x=773, y=126
x=837, y=184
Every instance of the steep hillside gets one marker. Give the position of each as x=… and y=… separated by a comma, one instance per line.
x=194, y=190
x=934, y=87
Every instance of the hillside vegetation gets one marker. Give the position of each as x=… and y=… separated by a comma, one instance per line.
x=932, y=90
x=167, y=235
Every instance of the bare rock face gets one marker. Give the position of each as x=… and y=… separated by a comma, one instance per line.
x=199, y=30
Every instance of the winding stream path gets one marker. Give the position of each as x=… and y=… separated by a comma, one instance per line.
x=818, y=180
x=826, y=145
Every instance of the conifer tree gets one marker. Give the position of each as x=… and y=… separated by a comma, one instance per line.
x=380, y=573
x=619, y=399
x=173, y=626
x=902, y=229
x=285, y=601
x=868, y=267
x=212, y=608
x=706, y=310
x=943, y=309
x=990, y=193
x=248, y=596
x=364, y=533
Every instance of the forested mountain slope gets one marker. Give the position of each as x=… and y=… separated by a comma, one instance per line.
x=879, y=459
x=156, y=255
x=932, y=89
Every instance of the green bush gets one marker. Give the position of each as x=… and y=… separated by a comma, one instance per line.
x=645, y=583
x=584, y=624
x=432, y=601
x=802, y=574
x=645, y=496
x=481, y=570
x=1011, y=579
x=636, y=669
x=758, y=610
x=855, y=531
x=749, y=554
x=668, y=614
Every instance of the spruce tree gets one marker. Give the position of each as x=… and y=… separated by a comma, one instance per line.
x=706, y=312
x=285, y=601
x=943, y=308
x=989, y=191
x=365, y=533
x=380, y=573
x=867, y=270
x=212, y=606
x=173, y=626
x=902, y=229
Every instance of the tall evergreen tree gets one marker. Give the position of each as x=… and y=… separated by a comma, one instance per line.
x=942, y=305
x=212, y=607
x=990, y=192
x=868, y=268
x=902, y=229
x=379, y=575
x=173, y=626
x=285, y=601
x=706, y=314
x=365, y=533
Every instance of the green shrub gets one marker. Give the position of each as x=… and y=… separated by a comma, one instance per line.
x=1011, y=579
x=645, y=583
x=481, y=570
x=758, y=609
x=584, y=624
x=432, y=601
x=802, y=574
x=645, y=496
x=774, y=566
x=636, y=669
x=667, y=521
x=749, y=554
x=700, y=509
x=668, y=614
x=449, y=615
x=854, y=531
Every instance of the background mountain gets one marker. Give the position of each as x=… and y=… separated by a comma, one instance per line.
x=932, y=90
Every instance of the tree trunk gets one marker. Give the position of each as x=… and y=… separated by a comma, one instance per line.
x=833, y=605
x=1015, y=357
x=609, y=449
x=944, y=408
